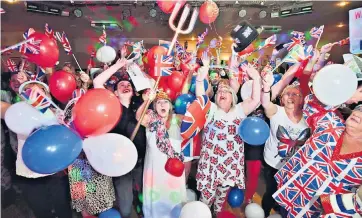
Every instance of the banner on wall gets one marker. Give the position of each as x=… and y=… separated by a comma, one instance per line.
x=355, y=33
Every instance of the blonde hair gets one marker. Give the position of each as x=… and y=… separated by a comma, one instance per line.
x=231, y=90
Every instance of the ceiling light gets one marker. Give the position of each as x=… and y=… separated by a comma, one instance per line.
x=11, y=1
x=242, y=13
x=340, y=25
x=342, y=4
x=193, y=38
x=237, y=2
x=262, y=14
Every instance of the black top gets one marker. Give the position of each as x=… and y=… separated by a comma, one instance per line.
x=127, y=124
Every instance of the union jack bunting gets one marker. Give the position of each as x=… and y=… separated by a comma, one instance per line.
x=36, y=100
x=103, y=38
x=268, y=42
x=49, y=32
x=293, y=42
x=191, y=147
x=163, y=65
x=316, y=32
x=12, y=65
x=201, y=38
x=195, y=117
x=62, y=38
x=318, y=168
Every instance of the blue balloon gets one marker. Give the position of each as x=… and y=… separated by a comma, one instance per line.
x=277, y=77
x=182, y=101
x=235, y=197
x=193, y=85
x=51, y=149
x=254, y=131
x=111, y=213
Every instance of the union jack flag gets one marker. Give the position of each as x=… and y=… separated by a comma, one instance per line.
x=195, y=117
x=62, y=38
x=300, y=36
x=163, y=65
x=268, y=42
x=316, y=32
x=12, y=65
x=191, y=147
x=201, y=38
x=166, y=44
x=318, y=168
x=296, y=55
x=103, y=38
x=31, y=47
x=179, y=49
x=26, y=66
x=36, y=100
x=137, y=49
x=49, y=31
x=293, y=42
x=40, y=74
x=342, y=42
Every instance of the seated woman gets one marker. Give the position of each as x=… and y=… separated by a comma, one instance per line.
x=163, y=193
x=221, y=163
x=328, y=166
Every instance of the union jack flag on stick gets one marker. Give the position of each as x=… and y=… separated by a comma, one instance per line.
x=342, y=42
x=103, y=37
x=49, y=32
x=268, y=42
x=12, y=65
x=163, y=65
x=316, y=32
x=201, y=38
x=62, y=38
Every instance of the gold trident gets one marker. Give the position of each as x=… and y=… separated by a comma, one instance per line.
x=183, y=18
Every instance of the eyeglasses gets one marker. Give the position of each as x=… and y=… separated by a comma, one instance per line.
x=223, y=92
x=358, y=108
x=292, y=94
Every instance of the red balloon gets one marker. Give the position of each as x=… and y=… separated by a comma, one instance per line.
x=225, y=214
x=176, y=81
x=174, y=167
x=187, y=68
x=62, y=84
x=171, y=93
x=247, y=50
x=155, y=50
x=163, y=82
x=96, y=112
x=48, y=54
x=208, y=12
x=167, y=6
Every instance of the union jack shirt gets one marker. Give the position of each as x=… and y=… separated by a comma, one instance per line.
x=318, y=169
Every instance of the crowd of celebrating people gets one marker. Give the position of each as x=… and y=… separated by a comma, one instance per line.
x=311, y=158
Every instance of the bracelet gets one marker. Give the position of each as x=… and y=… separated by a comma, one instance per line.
x=267, y=91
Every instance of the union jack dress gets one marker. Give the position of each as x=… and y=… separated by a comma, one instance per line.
x=318, y=169
x=222, y=150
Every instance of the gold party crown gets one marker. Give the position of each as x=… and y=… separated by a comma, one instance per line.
x=162, y=95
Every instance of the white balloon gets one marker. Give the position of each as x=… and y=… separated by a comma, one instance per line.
x=195, y=209
x=106, y=54
x=275, y=216
x=111, y=154
x=334, y=84
x=254, y=210
x=22, y=118
x=247, y=90
x=191, y=195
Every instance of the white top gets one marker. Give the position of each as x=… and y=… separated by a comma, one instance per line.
x=21, y=168
x=162, y=192
x=271, y=156
x=217, y=113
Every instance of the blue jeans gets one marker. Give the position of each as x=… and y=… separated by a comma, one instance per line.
x=124, y=186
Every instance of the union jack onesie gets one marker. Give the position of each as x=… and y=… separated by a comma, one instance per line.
x=318, y=181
